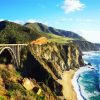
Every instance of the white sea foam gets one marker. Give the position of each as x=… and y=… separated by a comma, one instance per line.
x=91, y=54
x=86, y=94
x=77, y=89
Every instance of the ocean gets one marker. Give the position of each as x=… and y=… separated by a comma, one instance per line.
x=86, y=80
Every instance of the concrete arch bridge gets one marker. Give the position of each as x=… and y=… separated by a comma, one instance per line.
x=12, y=51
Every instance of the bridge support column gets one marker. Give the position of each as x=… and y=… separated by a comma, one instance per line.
x=18, y=54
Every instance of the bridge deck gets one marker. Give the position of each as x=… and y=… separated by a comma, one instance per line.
x=13, y=44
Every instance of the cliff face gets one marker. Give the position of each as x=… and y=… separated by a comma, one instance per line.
x=47, y=62
x=56, y=58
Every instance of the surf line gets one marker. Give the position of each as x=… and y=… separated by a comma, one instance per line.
x=80, y=88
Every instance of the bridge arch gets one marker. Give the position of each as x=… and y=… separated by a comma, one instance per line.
x=11, y=52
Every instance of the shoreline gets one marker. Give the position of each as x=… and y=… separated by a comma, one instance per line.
x=68, y=89
x=71, y=88
x=75, y=82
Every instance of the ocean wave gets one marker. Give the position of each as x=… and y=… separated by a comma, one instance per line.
x=86, y=80
x=75, y=82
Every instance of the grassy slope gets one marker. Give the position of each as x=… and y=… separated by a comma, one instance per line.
x=44, y=32
x=46, y=29
x=15, y=33
x=36, y=27
x=59, y=39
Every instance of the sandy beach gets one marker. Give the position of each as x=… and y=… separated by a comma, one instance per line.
x=68, y=90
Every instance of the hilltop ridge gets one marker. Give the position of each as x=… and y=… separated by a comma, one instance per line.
x=44, y=28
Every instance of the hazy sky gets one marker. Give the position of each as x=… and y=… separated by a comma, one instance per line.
x=81, y=16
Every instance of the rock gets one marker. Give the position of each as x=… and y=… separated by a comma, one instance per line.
x=89, y=64
x=39, y=91
x=46, y=62
x=28, y=84
x=57, y=58
x=40, y=41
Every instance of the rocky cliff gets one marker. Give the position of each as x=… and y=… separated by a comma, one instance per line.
x=47, y=62
x=56, y=58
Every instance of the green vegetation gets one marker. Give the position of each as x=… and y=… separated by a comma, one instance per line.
x=11, y=86
x=59, y=39
x=37, y=27
x=5, y=74
x=15, y=33
x=2, y=98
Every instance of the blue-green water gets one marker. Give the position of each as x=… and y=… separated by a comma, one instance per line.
x=89, y=81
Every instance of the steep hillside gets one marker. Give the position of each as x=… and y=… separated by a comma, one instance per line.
x=13, y=86
x=87, y=46
x=46, y=62
x=83, y=44
x=43, y=28
x=11, y=32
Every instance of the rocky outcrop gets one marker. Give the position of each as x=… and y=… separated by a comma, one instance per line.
x=28, y=84
x=56, y=58
x=47, y=62
x=32, y=68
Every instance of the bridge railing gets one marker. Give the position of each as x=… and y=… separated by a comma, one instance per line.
x=13, y=44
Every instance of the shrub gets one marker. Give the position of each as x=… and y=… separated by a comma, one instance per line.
x=11, y=86
x=10, y=93
x=5, y=74
x=40, y=98
x=1, y=98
